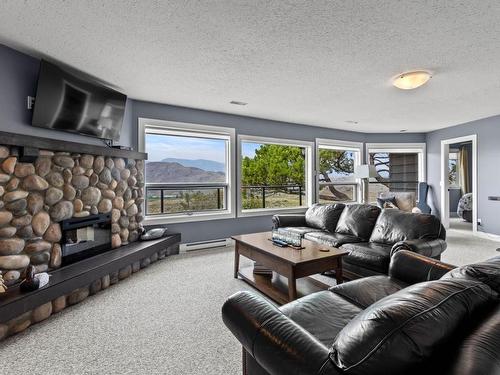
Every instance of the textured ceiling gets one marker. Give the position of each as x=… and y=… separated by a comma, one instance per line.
x=321, y=63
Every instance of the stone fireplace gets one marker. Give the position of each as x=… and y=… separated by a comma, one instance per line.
x=59, y=187
x=73, y=210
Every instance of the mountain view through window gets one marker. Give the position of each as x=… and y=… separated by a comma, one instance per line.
x=185, y=173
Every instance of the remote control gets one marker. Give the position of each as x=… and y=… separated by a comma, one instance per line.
x=280, y=243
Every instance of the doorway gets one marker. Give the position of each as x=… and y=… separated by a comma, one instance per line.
x=459, y=183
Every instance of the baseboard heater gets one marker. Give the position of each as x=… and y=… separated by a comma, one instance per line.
x=206, y=244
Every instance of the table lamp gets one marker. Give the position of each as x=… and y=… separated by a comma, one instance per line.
x=365, y=172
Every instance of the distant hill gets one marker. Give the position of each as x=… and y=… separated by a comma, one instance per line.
x=206, y=165
x=161, y=171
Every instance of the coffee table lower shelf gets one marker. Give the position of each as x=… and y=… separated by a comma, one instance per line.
x=276, y=287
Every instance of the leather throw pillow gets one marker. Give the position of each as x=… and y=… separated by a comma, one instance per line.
x=324, y=216
x=358, y=220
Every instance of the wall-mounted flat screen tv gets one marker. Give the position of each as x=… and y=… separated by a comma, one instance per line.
x=68, y=102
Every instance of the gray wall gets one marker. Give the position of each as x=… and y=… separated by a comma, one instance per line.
x=488, y=134
x=18, y=79
x=197, y=231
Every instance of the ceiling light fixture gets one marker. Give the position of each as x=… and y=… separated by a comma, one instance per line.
x=411, y=80
x=236, y=102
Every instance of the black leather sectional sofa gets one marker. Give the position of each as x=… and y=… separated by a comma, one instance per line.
x=425, y=317
x=371, y=235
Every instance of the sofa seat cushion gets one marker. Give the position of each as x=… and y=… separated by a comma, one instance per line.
x=331, y=239
x=371, y=255
x=324, y=216
x=358, y=220
x=301, y=230
x=368, y=290
x=395, y=225
x=322, y=314
x=403, y=330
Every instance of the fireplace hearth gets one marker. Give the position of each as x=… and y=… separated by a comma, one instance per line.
x=85, y=237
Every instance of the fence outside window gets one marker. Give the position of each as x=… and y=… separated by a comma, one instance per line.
x=164, y=199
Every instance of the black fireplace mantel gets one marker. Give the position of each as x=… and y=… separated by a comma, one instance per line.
x=22, y=140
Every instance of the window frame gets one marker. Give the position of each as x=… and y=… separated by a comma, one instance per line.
x=308, y=175
x=419, y=148
x=457, y=182
x=343, y=146
x=193, y=130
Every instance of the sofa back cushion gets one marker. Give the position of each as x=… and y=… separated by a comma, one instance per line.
x=395, y=225
x=324, y=216
x=487, y=272
x=403, y=330
x=358, y=220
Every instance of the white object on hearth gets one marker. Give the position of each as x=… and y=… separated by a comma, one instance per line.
x=153, y=234
x=43, y=279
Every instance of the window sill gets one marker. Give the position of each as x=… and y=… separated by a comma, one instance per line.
x=271, y=211
x=185, y=218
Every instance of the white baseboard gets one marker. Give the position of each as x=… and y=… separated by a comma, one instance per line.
x=191, y=246
x=488, y=236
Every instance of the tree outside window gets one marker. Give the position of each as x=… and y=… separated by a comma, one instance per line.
x=336, y=175
x=272, y=175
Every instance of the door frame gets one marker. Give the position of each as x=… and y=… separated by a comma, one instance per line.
x=444, y=183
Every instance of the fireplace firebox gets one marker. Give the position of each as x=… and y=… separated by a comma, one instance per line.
x=85, y=237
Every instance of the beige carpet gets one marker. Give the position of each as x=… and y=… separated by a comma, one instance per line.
x=464, y=248
x=163, y=320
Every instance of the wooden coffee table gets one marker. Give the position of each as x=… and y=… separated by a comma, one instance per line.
x=286, y=262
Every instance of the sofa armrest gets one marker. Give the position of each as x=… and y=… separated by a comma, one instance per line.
x=277, y=343
x=429, y=248
x=414, y=268
x=289, y=220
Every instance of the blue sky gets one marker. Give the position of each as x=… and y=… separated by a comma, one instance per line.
x=160, y=147
x=248, y=149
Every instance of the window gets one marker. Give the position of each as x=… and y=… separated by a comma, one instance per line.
x=188, y=171
x=400, y=167
x=454, y=169
x=335, y=167
x=275, y=175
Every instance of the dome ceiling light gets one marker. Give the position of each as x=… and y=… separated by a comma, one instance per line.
x=411, y=80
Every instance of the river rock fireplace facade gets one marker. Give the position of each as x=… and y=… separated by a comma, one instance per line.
x=37, y=197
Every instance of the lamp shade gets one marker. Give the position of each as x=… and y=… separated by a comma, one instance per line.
x=365, y=171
